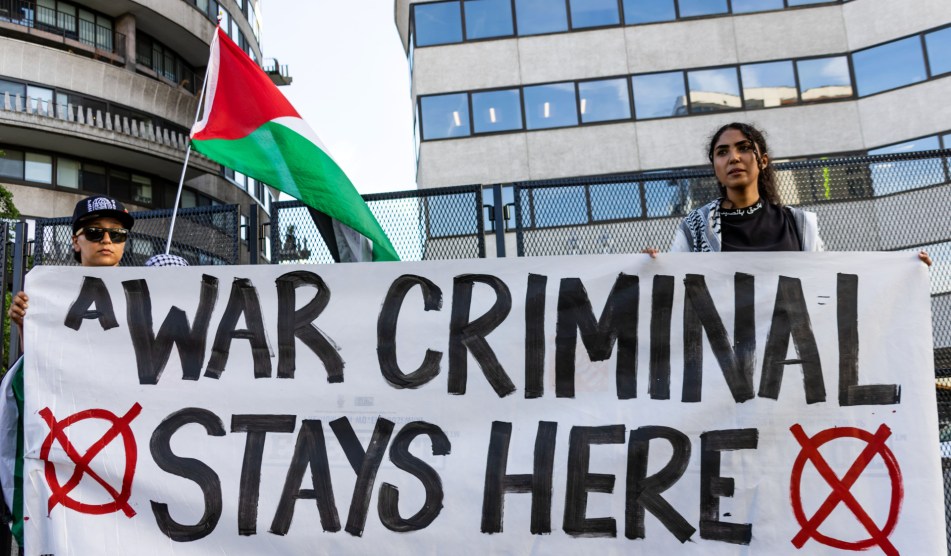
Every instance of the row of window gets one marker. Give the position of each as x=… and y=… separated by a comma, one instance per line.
x=93, y=177
x=64, y=18
x=213, y=10
x=682, y=92
x=43, y=99
x=254, y=187
x=664, y=197
x=456, y=21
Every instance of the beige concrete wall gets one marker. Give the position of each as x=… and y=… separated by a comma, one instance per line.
x=876, y=21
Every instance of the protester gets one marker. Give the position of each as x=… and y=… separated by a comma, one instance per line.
x=748, y=215
x=100, y=229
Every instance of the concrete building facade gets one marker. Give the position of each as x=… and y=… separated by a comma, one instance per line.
x=821, y=77
x=98, y=97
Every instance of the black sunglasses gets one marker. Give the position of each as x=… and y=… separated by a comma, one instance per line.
x=117, y=235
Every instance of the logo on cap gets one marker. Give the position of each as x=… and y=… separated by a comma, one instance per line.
x=100, y=203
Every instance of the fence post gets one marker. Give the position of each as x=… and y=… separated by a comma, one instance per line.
x=19, y=271
x=253, y=246
x=498, y=217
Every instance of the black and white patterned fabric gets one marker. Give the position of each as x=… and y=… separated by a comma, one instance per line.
x=166, y=260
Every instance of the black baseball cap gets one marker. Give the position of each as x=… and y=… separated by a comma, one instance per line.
x=101, y=206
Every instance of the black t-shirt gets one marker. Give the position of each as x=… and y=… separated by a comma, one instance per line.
x=759, y=227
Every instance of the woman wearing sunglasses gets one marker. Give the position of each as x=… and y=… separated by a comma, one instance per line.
x=100, y=229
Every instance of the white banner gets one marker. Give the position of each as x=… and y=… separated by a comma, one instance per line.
x=689, y=404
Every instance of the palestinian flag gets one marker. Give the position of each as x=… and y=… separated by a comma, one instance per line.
x=249, y=126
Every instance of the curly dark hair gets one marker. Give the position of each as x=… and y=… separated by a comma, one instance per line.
x=766, y=183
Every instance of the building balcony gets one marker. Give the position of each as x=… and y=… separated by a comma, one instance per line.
x=278, y=73
x=83, y=132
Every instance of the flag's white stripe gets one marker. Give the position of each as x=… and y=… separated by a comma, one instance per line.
x=211, y=84
x=9, y=412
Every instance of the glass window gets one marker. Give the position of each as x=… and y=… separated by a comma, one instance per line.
x=189, y=199
x=11, y=163
x=550, y=106
x=46, y=12
x=648, y=11
x=888, y=66
x=104, y=34
x=41, y=99
x=603, y=101
x=488, y=18
x=87, y=27
x=445, y=116
x=659, y=95
x=614, y=201
x=769, y=84
x=806, y=2
x=496, y=111
x=667, y=197
x=67, y=173
x=594, y=13
x=66, y=17
x=93, y=179
x=437, y=23
x=691, y=8
x=38, y=168
x=902, y=175
x=559, y=206
x=12, y=88
x=947, y=141
x=748, y=6
x=939, y=51
x=713, y=90
x=141, y=189
x=120, y=184
x=535, y=17
x=824, y=78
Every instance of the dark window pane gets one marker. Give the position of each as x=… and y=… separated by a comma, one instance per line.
x=445, y=116
x=713, y=90
x=438, y=23
x=11, y=163
x=594, y=13
x=888, y=66
x=535, y=17
x=488, y=18
x=648, y=11
x=659, y=95
x=824, y=78
x=939, y=51
x=747, y=6
x=769, y=84
x=120, y=185
x=496, y=111
x=615, y=201
x=902, y=175
x=602, y=101
x=690, y=8
x=67, y=172
x=93, y=179
x=550, y=106
x=560, y=206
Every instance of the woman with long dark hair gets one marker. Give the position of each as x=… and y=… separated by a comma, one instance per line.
x=748, y=215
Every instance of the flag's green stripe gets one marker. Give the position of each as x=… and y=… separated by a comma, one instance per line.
x=17, y=510
x=282, y=158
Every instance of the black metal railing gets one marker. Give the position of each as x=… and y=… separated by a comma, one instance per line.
x=27, y=13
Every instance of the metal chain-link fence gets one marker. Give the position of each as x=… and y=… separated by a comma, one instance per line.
x=203, y=236
x=423, y=225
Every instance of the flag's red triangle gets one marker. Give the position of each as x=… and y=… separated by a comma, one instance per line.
x=241, y=97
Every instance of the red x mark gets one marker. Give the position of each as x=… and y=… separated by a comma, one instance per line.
x=60, y=493
x=840, y=488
